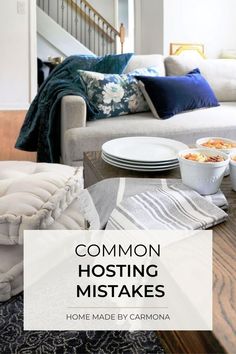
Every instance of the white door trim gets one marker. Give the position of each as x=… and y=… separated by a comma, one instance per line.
x=116, y=13
x=137, y=26
x=32, y=50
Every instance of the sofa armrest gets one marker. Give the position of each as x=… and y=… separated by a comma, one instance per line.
x=73, y=115
x=73, y=112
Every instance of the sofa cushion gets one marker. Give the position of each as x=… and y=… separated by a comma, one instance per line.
x=175, y=94
x=220, y=73
x=186, y=127
x=228, y=54
x=145, y=61
x=33, y=196
x=113, y=95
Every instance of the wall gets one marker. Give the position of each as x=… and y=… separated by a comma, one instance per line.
x=18, y=73
x=211, y=22
x=45, y=49
x=149, y=26
x=107, y=8
x=123, y=14
x=160, y=22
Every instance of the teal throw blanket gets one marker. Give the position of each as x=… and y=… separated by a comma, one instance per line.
x=41, y=129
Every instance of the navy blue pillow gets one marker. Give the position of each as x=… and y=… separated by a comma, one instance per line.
x=171, y=95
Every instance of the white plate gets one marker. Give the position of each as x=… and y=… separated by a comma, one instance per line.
x=127, y=164
x=144, y=149
x=132, y=168
x=143, y=164
x=138, y=168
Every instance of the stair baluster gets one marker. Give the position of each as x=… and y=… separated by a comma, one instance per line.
x=81, y=23
x=89, y=29
x=67, y=18
x=76, y=22
x=85, y=26
x=103, y=39
x=71, y=19
x=94, y=33
x=108, y=40
x=62, y=13
x=58, y=11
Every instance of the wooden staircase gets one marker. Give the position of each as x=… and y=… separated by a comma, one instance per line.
x=80, y=19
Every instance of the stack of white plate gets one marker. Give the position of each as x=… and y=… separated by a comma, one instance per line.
x=143, y=153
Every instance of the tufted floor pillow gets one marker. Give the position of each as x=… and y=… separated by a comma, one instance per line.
x=33, y=196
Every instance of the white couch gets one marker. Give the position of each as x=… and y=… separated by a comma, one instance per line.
x=79, y=135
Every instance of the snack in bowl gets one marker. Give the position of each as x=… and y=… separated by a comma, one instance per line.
x=232, y=167
x=233, y=158
x=223, y=144
x=203, y=169
x=203, y=158
x=219, y=144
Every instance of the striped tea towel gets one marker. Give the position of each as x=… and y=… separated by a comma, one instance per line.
x=167, y=208
x=98, y=201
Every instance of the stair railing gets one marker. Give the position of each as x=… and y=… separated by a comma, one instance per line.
x=86, y=24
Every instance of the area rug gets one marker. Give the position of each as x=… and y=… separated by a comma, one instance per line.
x=14, y=340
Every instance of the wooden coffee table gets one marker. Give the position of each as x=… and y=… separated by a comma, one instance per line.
x=223, y=337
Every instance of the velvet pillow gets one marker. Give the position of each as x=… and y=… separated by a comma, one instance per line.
x=112, y=63
x=171, y=95
x=112, y=95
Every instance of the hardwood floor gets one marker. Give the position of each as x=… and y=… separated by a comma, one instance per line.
x=10, y=124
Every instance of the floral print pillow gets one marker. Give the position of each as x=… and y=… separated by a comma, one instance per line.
x=113, y=95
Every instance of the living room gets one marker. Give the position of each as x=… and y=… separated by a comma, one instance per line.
x=118, y=115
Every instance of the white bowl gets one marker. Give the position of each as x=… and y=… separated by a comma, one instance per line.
x=201, y=141
x=232, y=167
x=203, y=177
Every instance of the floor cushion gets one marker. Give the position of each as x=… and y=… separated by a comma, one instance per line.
x=11, y=271
x=11, y=257
x=33, y=196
